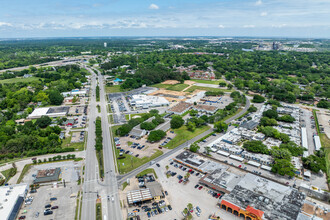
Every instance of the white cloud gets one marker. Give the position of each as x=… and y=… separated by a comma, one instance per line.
x=154, y=7
x=263, y=14
x=249, y=26
x=221, y=26
x=5, y=24
x=278, y=25
x=258, y=2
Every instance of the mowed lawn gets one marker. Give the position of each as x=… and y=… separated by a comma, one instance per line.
x=113, y=89
x=193, y=88
x=325, y=142
x=215, y=82
x=176, y=87
x=183, y=135
x=16, y=80
x=130, y=162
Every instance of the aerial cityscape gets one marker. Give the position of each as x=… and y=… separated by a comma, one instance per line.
x=168, y=110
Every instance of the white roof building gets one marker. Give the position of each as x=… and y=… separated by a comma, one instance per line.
x=144, y=101
x=12, y=198
x=304, y=142
x=317, y=142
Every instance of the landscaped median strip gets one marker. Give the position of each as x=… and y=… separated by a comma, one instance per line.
x=99, y=145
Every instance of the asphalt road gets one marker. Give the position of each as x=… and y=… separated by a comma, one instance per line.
x=109, y=192
x=91, y=168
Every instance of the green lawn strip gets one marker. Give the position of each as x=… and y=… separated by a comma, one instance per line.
x=147, y=171
x=159, y=85
x=99, y=156
x=77, y=206
x=193, y=88
x=177, y=87
x=130, y=162
x=111, y=119
x=127, y=117
x=316, y=121
x=16, y=80
x=215, y=82
x=125, y=184
x=183, y=135
x=99, y=211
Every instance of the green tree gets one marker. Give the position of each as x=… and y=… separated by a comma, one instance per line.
x=176, y=122
x=43, y=122
x=270, y=113
x=220, y=126
x=194, y=147
x=323, y=104
x=252, y=108
x=283, y=167
x=256, y=147
x=191, y=126
x=156, y=135
x=258, y=99
x=55, y=97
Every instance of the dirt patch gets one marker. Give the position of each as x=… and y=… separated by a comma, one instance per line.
x=170, y=82
x=171, y=96
x=189, y=82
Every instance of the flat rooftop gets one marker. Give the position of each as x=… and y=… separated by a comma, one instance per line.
x=11, y=194
x=221, y=179
x=274, y=200
x=139, y=195
x=180, y=107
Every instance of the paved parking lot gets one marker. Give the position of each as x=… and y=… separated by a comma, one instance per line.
x=179, y=195
x=66, y=204
x=149, y=148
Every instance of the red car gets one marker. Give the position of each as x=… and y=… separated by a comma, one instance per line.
x=22, y=217
x=180, y=181
x=201, y=187
x=55, y=207
x=239, y=166
x=189, y=170
x=218, y=195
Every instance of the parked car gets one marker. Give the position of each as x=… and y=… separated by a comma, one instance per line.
x=48, y=212
x=48, y=206
x=55, y=207
x=53, y=199
x=180, y=181
x=196, y=186
x=22, y=217
x=201, y=187
x=169, y=207
x=157, y=164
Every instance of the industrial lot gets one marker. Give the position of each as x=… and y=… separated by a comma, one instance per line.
x=221, y=179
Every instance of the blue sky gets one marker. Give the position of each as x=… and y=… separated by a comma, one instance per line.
x=75, y=18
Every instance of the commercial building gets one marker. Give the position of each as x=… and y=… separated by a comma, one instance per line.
x=146, y=101
x=138, y=196
x=317, y=142
x=220, y=180
x=180, y=108
x=155, y=189
x=208, y=109
x=48, y=175
x=75, y=92
x=256, y=198
x=304, y=142
x=12, y=198
x=50, y=112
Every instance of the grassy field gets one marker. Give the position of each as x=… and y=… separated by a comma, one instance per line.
x=16, y=80
x=176, y=87
x=216, y=82
x=193, y=88
x=147, y=171
x=112, y=89
x=78, y=146
x=183, y=135
x=114, y=128
x=130, y=162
